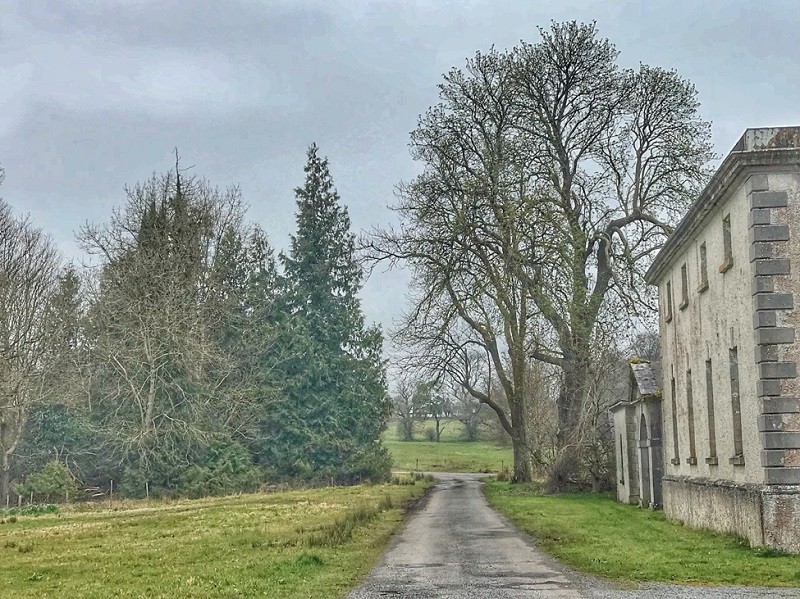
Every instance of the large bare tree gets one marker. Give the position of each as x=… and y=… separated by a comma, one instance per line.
x=29, y=268
x=551, y=177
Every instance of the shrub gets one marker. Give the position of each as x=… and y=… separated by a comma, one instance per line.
x=227, y=468
x=54, y=480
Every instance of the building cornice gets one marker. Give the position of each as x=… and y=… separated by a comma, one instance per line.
x=733, y=169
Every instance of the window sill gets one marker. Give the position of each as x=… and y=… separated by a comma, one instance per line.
x=668, y=318
x=726, y=266
x=692, y=461
x=683, y=304
x=675, y=461
x=737, y=460
x=712, y=460
x=703, y=287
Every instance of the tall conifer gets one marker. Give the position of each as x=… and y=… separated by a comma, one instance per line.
x=336, y=402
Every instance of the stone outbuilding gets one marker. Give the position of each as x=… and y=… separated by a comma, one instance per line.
x=729, y=351
x=637, y=431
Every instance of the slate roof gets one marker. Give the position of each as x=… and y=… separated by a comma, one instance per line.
x=646, y=378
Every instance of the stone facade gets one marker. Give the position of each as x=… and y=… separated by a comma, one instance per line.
x=730, y=408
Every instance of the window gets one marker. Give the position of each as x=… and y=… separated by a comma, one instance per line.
x=712, y=427
x=684, y=288
x=676, y=459
x=668, y=307
x=692, y=459
x=736, y=407
x=703, y=269
x=726, y=242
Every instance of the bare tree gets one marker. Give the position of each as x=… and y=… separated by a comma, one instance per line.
x=404, y=408
x=29, y=267
x=551, y=178
x=620, y=154
x=153, y=312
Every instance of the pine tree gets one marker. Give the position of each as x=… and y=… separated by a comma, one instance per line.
x=335, y=404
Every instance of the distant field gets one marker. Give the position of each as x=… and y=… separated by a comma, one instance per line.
x=451, y=454
x=298, y=544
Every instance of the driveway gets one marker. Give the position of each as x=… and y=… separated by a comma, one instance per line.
x=458, y=546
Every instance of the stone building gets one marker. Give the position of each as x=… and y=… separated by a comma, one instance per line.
x=730, y=409
x=637, y=431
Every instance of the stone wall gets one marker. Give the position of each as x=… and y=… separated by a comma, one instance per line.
x=715, y=505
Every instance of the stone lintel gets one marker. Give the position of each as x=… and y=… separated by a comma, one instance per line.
x=777, y=370
x=774, y=301
x=782, y=476
x=774, y=458
x=769, y=199
x=769, y=233
x=759, y=216
x=762, y=285
x=780, y=440
x=779, y=422
x=772, y=266
x=768, y=388
x=773, y=335
x=779, y=404
x=765, y=318
x=766, y=353
x=756, y=182
x=761, y=250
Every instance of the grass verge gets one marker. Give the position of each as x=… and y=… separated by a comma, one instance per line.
x=597, y=535
x=298, y=544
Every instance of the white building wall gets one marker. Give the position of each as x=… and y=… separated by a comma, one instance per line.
x=714, y=321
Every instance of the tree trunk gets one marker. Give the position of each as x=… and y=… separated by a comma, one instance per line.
x=523, y=460
x=570, y=402
x=5, y=477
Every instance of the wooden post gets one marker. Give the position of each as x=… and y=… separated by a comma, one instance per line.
x=147, y=490
x=31, y=503
x=111, y=494
x=8, y=499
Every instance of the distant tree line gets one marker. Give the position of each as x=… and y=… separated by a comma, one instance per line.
x=189, y=358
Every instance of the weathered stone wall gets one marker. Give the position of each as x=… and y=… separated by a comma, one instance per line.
x=781, y=516
x=715, y=505
x=716, y=317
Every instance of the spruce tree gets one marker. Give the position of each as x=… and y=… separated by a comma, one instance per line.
x=335, y=404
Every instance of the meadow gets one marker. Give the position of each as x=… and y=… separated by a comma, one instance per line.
x=451, y=454
x=314, y=543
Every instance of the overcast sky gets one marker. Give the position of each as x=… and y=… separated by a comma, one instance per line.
x=95, y=94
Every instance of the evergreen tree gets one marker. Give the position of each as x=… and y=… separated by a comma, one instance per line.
x=335, y=401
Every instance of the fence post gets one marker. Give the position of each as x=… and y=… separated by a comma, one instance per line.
x=147, y=490
x=111, y=494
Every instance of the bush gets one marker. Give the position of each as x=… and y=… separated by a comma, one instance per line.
x=54, y=480
x=227, y=468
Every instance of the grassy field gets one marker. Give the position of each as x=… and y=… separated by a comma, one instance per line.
x=298, y=544
x=598, y=535
x=451, y=454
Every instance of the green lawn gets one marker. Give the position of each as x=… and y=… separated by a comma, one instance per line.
x=451, y=454
x=298, y=544
x=598, y=535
